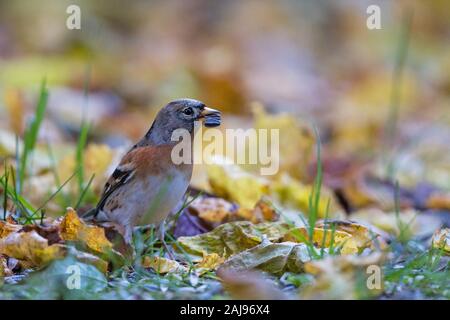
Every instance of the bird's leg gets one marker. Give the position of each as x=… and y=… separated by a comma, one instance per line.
x=163, y=241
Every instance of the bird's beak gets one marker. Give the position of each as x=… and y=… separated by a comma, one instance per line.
x=211, y=116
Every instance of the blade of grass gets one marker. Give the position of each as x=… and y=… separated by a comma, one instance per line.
x=5, y=197
x=83, y=193
x=397, y=79
x=31, y=133
x=54, y=194
x=314, y=197
x=84, y=130
x=18, y=200
x=325, y=229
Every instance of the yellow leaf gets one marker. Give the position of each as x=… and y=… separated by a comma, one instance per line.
x=233, y=183
x=74, y=229
x=349, y=237
x=31, y=247
x=210, y=262
x=361, y=236
x=441, y=240
x=292, y=193
x=162, y=265
x=7, y=228
x=300, y=235
x=296, y=140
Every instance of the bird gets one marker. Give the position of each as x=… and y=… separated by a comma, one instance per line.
x=147, y=185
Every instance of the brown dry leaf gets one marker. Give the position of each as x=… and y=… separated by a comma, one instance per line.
x=262, y=212
x=162, y=265
x=439, y=202
x=336, y=277
x=441, y=240
x=72, y=228
x=213, y=210
x=31, y=247
x=7, y=228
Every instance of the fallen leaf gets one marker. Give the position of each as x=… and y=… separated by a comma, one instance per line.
x=262, y=212
x=72, y=228
x=232, y=237
x=361, y=236
x=210, y=209
x=321, y=237
x=441, y=240
x=292, y=193
x=296, y=141
x=31, y=247
x=55, y=281
x=209, y=262
x=275, y=258
x=162, y=265
x=7, y=228
x=234, y=184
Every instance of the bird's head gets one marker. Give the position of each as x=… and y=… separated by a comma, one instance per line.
x=181, y=114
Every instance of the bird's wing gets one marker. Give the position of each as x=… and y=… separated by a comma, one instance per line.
x=148, y=160
x=121, y=176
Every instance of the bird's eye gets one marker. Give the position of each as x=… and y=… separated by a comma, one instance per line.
x=188, y=111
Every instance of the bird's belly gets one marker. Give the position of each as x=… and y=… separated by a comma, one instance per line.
x=158, y=203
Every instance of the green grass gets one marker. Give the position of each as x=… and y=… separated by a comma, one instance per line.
x=397, y=78
x=24, y=209
x=416, y=271
x=82, y=139
x=31, y=134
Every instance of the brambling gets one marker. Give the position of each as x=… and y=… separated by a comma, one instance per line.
x=147, y=185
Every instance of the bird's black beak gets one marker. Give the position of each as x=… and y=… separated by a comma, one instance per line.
x=212, y=117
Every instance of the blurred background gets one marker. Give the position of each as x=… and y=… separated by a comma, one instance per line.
x=378, y=97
